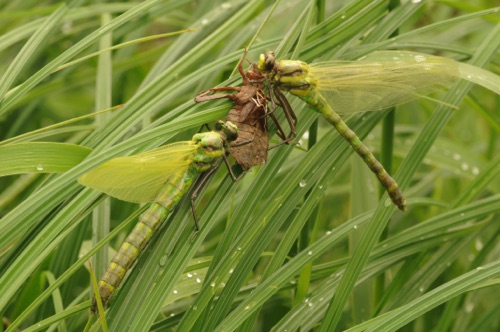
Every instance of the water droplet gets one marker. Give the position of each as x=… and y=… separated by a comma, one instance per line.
x=194, y=307
x=421, y=289
x=310, y=253
x=355, y=227
x=189, y=275
x=198, y=280
x=419, y=58
x=204, y=21
x=456, y=156
x=226, y=5
x=415, y=1
x=462, y=214
x=320, y=186
x=479, y=244
x=231, y=271
x=247, y=307
x=163, y=260
x=302, y=183
x=343, y=16
x=475, y=170
x=172, y=315
x=212, y=284
x=223, y=284
x=239, y=248
x=464, y=166
x=328, y=232
x=306, y=135
x=175, y=291
x=479, y=268
x=310, y=304
x=469, y=307
x=39, y=167
x=306, y=300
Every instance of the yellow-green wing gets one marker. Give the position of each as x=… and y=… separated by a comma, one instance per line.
x=382, y=79
x=139, y=178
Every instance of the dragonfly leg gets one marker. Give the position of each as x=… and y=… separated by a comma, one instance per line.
x=240, y=67
x=280, y=132
x=230, y=170
x=204, y=177
x=289, y=115
x=204, y=95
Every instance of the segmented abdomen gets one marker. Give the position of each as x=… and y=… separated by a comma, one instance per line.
x=315, y=100
x=149, y=222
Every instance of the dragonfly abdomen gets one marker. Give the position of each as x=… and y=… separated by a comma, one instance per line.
x=149, y=222
x=362, y=150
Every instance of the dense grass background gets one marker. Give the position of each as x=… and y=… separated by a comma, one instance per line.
x=303, y=242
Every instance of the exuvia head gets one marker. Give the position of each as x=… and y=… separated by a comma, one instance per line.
x=267, y=62
x=228, y=128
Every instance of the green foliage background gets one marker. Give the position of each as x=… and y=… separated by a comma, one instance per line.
x=303, y=242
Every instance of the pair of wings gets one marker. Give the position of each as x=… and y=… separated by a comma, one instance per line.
x=382, y=79
x=139, y=178
x=377, y=81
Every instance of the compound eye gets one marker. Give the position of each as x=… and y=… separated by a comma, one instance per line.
x=231, y=131
x=270, y=60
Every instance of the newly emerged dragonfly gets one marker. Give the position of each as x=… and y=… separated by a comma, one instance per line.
x=380, y=80
x=161, y=176
x=249, y=113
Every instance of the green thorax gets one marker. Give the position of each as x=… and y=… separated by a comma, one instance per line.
x=211, y=149
x=295, y=77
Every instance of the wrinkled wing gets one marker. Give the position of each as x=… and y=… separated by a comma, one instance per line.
x=383, y=79
x=139, y=178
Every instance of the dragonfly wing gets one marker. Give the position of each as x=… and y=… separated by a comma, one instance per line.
x=140, y=177
x=383, y=79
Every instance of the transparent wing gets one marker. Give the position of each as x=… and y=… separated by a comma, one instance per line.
x=383, y=79
x=139, y=178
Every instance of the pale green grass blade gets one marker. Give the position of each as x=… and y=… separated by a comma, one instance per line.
x=39, y=158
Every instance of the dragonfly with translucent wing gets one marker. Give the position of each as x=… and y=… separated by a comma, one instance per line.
x=161, y=176
x=380, y=80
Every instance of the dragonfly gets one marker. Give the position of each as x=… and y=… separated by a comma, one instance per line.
x=378, y=81
x=161, y=176
x=249, y=113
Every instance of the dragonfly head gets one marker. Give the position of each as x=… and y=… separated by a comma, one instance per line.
x=227, y=128
x=267, y=62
